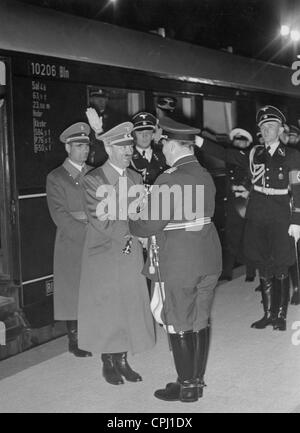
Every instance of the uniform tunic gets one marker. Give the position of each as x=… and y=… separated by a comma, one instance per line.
x=149, y=170
x=190, y=261
x=267, y=244
x=66, y=207
x=114, y=311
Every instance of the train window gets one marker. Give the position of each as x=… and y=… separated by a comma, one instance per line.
x=219, y=117
x=115, y=105
x=181, y=107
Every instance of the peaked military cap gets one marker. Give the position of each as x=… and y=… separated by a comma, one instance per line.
x=143, y=120
x=269, y=113
x=240, y=133
x=294, y=130
x=120, y=135
x=167, y=103
x=176, y=130
x=79, y=133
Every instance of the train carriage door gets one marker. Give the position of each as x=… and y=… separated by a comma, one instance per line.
x=13, y=330
x=220, y=115
x=8, y=243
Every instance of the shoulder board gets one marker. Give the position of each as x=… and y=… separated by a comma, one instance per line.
x=170, y=170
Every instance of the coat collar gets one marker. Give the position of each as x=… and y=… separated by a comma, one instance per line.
x=185, y=160
x=73, y=171
x=112, y=174
x=280, y=150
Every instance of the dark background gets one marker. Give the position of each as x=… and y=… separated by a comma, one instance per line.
x=247, y=27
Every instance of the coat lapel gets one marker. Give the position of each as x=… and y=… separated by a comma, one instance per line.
x=73, y=171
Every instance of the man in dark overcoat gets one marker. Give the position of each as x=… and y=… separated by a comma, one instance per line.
x=273, y=211
x=190, y=262
x=114, y=311
x=66, y=207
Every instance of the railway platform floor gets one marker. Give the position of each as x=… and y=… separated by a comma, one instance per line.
x=248, y=370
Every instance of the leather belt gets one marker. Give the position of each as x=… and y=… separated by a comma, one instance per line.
x=198, y=222
x=271, y=191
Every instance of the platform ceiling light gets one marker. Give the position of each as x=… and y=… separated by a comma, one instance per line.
x=285, y=30
x=295, y=35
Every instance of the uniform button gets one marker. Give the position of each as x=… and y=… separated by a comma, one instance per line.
x=267, y=169
x=280, y=168
x=267, y=177
x=267, y=185
x=232, y=178
x=230, y=171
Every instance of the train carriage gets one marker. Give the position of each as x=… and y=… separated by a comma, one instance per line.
x=53, y=66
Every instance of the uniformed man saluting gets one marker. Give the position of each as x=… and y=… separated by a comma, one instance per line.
x=189, y=258
x=271, y=224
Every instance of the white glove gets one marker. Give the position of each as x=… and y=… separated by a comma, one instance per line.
x=199, y=141
x=294, y=231
x=240, y=191
x=94, y=120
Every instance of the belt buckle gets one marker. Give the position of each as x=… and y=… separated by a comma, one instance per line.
x=264, y=190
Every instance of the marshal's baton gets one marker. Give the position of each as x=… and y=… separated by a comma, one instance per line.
x=154, y=250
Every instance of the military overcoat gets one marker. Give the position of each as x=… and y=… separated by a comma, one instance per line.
x=114, y=311
x=66, y=207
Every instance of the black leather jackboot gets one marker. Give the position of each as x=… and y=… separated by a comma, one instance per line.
x=202, y=339
x=122, y=366
x=184, y=354
x=283, y=296
x=201, y=342
x=73, y=340
x=269, y=304
x=109, y=371
x=294, y=278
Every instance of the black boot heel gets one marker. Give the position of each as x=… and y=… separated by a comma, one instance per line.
x=124, y=368
x=109, y=371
